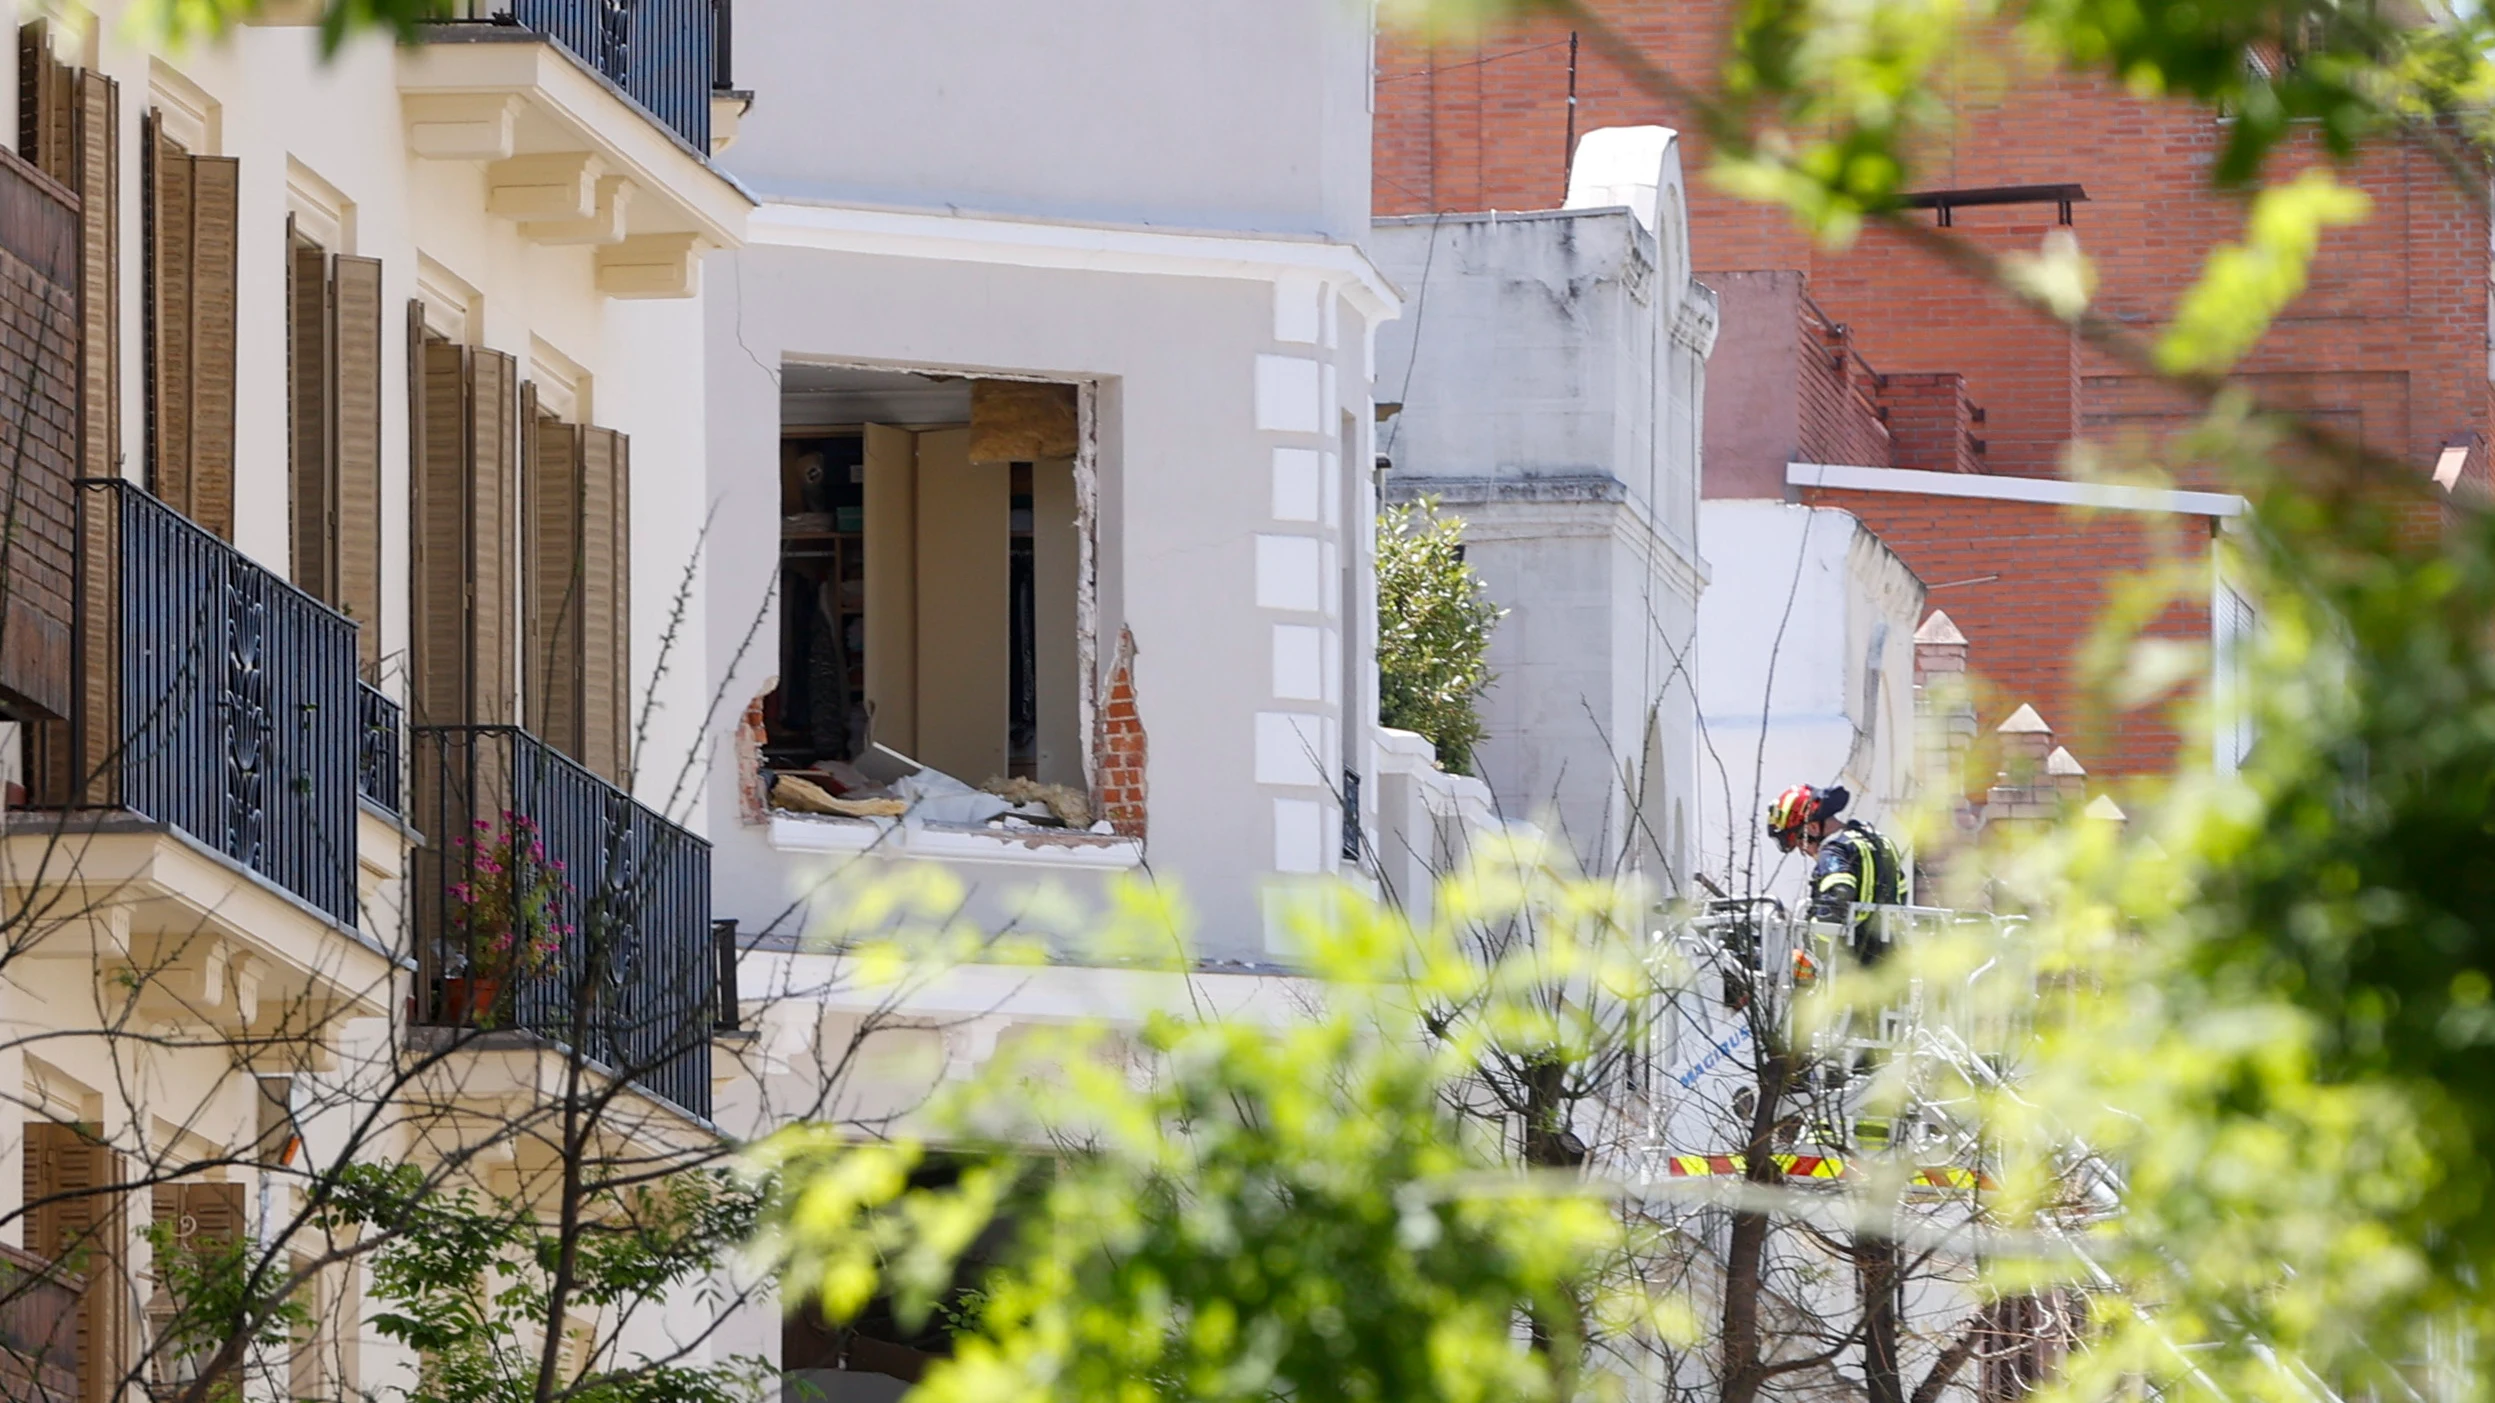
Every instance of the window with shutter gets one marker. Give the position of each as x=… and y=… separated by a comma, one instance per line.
x=216, y=218
x=552, y=578
x=579, y=593
x=98, y=183
x=493, y=396
x=190, y=216
x=439, y=602
x=333, y=382
x=68, y=127
x=606, y=604
x=310, y=464
x=165, y=227
x=75, y=1217
x=463, y=600
x=355, y=398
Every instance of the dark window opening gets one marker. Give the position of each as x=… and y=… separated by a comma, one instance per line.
x=821, y=710
x=1022, y=732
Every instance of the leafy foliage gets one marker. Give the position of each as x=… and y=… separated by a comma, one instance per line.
x=218, y=1287
x=1243, y=1208
x=1433, y=631
x=2257, y=1017
x=468, y=1281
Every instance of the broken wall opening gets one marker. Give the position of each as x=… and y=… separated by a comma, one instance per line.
x=933, y=545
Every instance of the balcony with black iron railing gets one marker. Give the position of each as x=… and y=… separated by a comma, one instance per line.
x=669, y=56
x=556, y=906
x=210, y=697
x=378, y=757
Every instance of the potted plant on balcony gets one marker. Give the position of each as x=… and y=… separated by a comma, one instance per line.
x=504, y=918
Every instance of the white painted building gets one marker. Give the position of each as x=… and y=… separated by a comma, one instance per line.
x=1031, y=402
x=1550, y=371
x=1807, y=637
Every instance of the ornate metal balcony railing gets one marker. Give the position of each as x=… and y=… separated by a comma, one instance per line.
x=665, y=54
x=377, y=754
x=210, y=695
x=630, y=974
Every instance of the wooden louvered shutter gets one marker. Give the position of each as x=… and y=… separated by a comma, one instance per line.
x=45, y=99
x=355, y=400
x=98, y=183
x=69, y=128
x=551, y=573
x=494, y=495
x=605, y=603
x=166, y=221
x=201, y=1212
x=311, y=478
x=192, y=214
x=75, y=1217
x=439, y=463
x=216, y=213
x=466, y=485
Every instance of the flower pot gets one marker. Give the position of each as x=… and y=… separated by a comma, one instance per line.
x=471, y=1001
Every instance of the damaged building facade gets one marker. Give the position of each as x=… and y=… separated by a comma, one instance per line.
x=1041, y=526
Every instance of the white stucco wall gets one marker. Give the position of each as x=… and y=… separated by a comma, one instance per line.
x=1211, y=380
x=1807, y=677
x=1247, y=117
x=1550, y=368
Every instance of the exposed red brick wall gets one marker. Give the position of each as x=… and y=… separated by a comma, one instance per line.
x=1119, y=752
x=2027, y=584
x=2388, y=344
x=1840, y=419
x=1931, y=422
x=2390, y=339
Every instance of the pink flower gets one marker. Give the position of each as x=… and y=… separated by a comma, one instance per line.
x=459, y=892
x=483, y=827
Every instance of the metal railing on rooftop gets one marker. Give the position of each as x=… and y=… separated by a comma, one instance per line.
x=631, y=981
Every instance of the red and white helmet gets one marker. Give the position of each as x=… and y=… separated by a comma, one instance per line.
x=1799, y=807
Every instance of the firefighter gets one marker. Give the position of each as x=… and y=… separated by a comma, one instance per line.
x=1854, y=863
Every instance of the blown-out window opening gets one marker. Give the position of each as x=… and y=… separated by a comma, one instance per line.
x=932, y=615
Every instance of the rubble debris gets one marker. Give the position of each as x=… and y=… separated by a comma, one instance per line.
x=936, y=797
x=799, y=795
x=1069, y=806
x=881, y=764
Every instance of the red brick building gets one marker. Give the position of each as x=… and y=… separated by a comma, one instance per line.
x=1878, y=357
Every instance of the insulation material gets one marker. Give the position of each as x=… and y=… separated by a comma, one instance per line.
x=1023, y=421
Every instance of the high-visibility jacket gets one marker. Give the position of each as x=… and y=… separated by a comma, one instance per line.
x=1858, y=864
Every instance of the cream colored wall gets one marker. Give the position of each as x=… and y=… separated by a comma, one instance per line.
x=279, y=107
